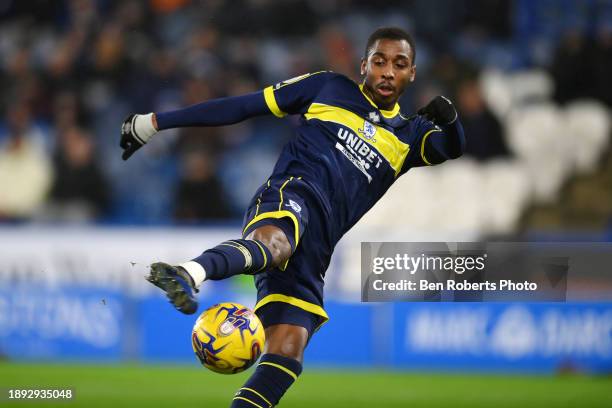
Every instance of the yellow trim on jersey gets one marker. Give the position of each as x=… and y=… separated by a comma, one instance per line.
x=302, y=304
x=248, y=400
x=277, y=214
x=271, y=99
x=423, y=145
x=258, y=394
x=271, y=102
x=385, y=142
x=386, y=113
x=280, y=367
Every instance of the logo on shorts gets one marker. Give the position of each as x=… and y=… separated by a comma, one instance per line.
x=368, y=131
x=296, y=207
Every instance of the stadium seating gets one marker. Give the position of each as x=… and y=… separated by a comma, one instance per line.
x=588, y=125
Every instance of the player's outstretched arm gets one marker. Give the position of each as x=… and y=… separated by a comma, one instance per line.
x=449, y=141
x=292, y=96
x=137, y=130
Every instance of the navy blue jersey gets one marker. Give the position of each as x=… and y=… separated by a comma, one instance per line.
x=345, y=155
x=348, y=149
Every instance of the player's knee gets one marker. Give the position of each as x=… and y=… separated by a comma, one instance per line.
x=287, y=340
x=281, y=251
x=289, y=349
x=275, y=240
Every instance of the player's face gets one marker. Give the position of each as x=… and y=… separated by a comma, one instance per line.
x=388, y=70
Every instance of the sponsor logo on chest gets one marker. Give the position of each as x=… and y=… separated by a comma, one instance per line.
x=358, y=146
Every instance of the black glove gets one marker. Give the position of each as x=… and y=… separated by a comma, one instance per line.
x=440, y=111
x=136, y=131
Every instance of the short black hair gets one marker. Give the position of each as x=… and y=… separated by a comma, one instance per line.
x=390, y=33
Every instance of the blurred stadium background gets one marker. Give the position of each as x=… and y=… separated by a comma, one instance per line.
x=78, y=227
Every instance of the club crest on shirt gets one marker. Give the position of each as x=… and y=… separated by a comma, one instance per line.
x=368, y=131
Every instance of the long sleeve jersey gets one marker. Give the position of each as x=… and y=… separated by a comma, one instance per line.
x=345, y=147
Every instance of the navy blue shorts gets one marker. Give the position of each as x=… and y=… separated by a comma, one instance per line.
x=294, y=291
x=284, y=313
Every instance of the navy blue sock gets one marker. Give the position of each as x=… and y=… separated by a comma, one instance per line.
x=234, y=257
x=272, y=378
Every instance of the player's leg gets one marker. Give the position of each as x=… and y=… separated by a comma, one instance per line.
x=278, y=368
x=265, y=247
x=290, y=307
x=271, y=233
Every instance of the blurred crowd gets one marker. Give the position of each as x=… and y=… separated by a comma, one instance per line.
x=71, y=70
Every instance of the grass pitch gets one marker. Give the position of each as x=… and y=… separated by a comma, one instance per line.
x=191, y=387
